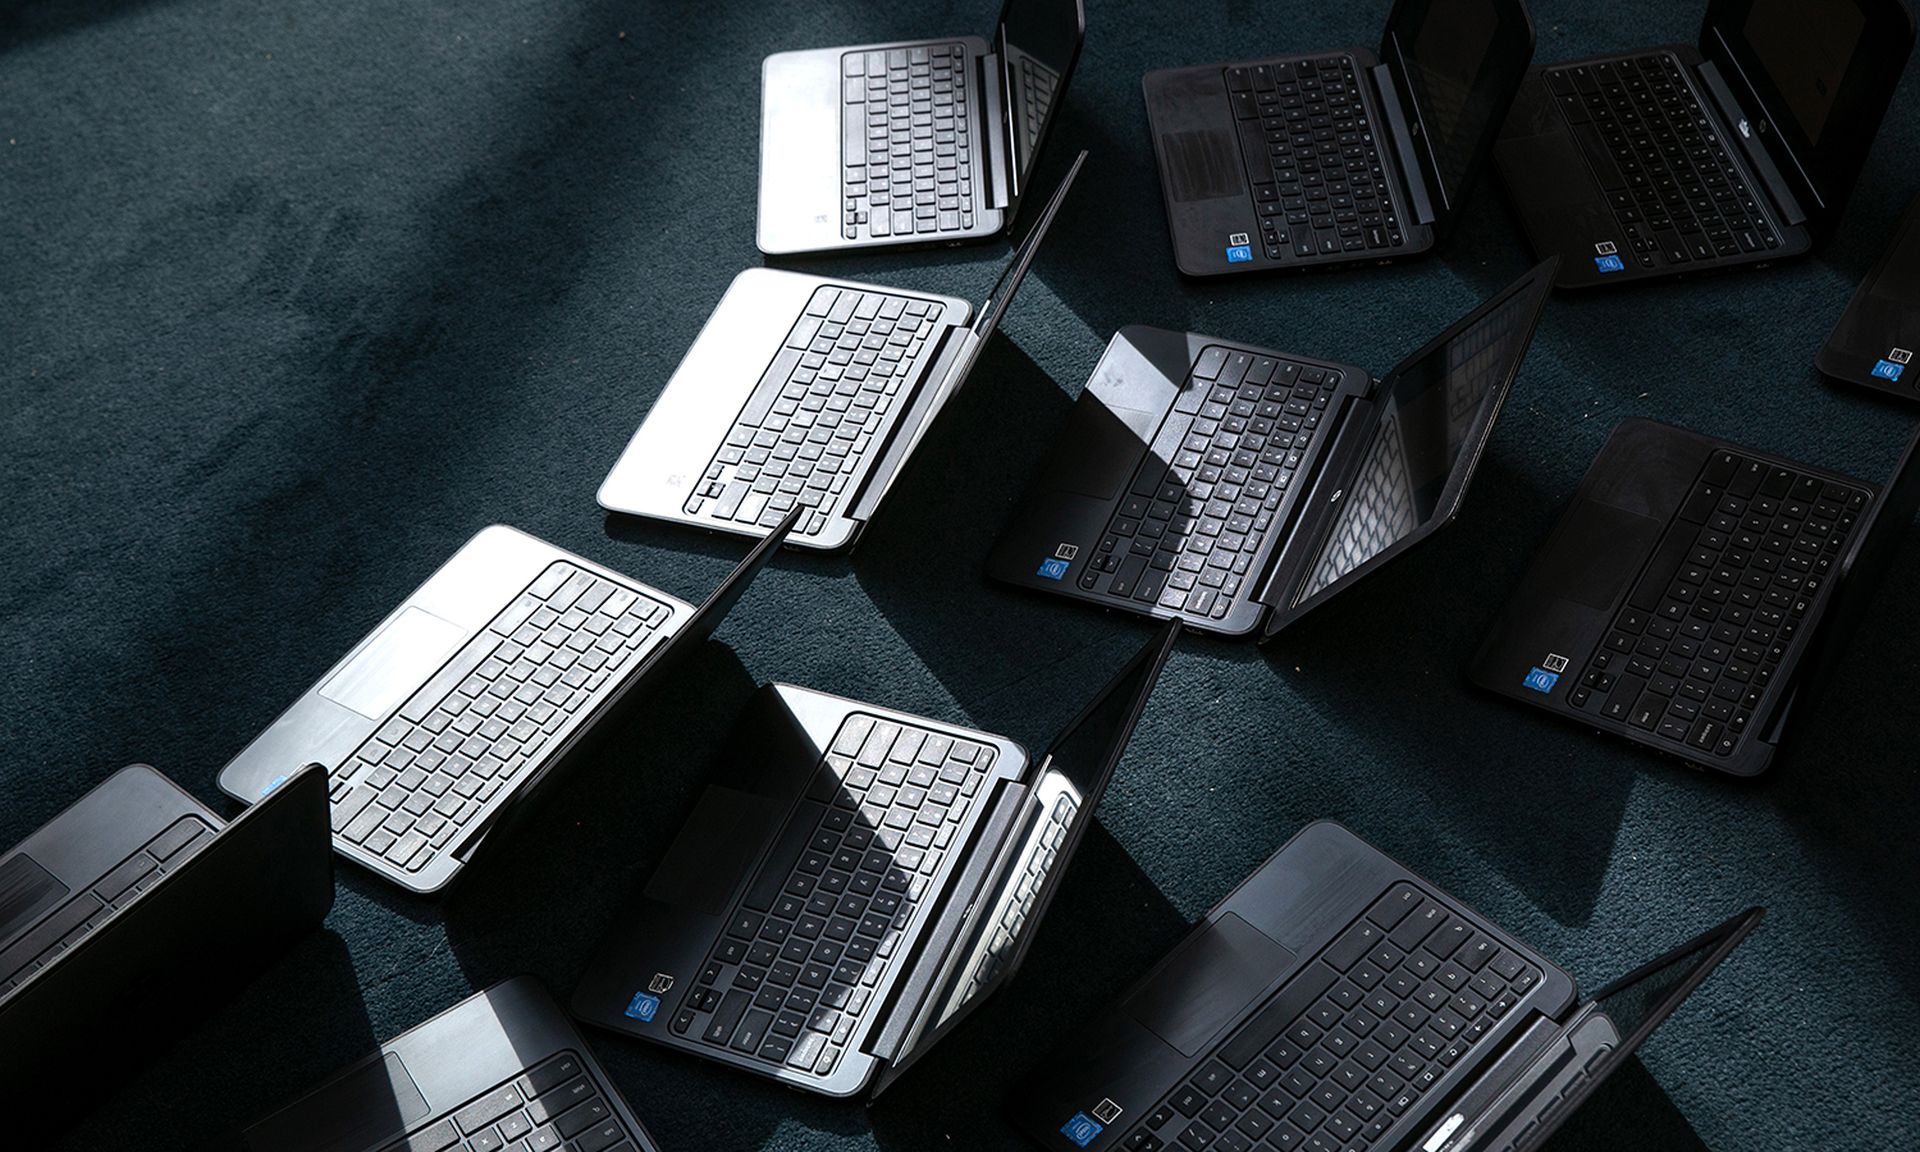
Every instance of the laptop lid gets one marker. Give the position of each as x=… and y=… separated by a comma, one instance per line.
x=1457, y=65
x=1641, y=1001
x=1085, y=754
x=1432, y=417
x=1814, y=78
x=706, y=618
x=1038, y=42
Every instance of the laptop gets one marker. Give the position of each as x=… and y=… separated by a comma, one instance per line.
x=1337, y=1002
x=1872, y=343
x=503, y=1069
x=1685, y=595
x=1675, y=160
x=913, y=142
x=854, y=884
x=459, y=709
x=810, y=393
x=1336, y=157
x=134, y=910
x=1235, y=489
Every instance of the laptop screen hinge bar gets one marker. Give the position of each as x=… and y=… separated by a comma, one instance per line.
x=994, y=137
x=1404, y=149
x=1735, y=120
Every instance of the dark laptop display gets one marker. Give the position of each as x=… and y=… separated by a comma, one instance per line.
x=1235, y=488
x=1873, y=342
x=1039, y=41
x=1340, y=157
x=1673, y=160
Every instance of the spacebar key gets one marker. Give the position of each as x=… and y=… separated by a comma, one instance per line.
x=1281, y=1011
x=443, y=682
x=774, y=871
x=768, y=390
x=1658, y=577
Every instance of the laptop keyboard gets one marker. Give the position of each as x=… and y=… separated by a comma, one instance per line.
x=80, y=915
x=553, y=1107
x=1677, y=194
x=825, y=916
x=828, y=397
x=1313, y=161
x=1352, y=1043
x=1044, y=850
x=1697, y=643
x=906, y=142
x=1187, y=532
x=479, y=726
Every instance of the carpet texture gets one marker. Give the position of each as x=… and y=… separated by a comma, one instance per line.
x=295, y=297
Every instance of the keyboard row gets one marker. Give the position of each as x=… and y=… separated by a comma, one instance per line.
x=906, y=142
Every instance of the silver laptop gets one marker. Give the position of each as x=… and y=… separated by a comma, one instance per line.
x=466, y=698
x=806, y=392
x=914, y=142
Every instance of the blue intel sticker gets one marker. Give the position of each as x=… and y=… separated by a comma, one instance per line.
x=1541, y=680
x=644, y=1007
x=1609, y=264
x=1888, y=370
x=1054, y=569
x=1238, y=254
x=1082, y=1129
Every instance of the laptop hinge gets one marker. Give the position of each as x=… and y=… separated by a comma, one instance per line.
x=993, y=131
x=1731, y=114
x=1317, y=502
x=929, y=396
x=902, y=1016
x=1403, y=149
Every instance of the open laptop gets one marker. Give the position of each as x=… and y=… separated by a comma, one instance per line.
x=503, y=1069
x=855, y=883
x=810, y=393
x=913, y=142
x=1337, y=157
x=465, y=701
x=133, y=910
x=1675, y=160
x=1686, y=593
x=1337, y=1002
x=1872, y=344
x=1236, y=488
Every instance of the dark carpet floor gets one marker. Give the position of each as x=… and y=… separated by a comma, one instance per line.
x=294, y=297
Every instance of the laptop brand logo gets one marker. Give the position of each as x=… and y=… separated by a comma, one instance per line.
x=1239, y=254
x=1605, y=248
x=644, y=1007
x=660, y=984
x=1053, y=569
x=1553, y=663
x=1541, y=680
x=1082, y=1129
x=1066, y=551
x=1746, y=132
x=1239, y=238
x=1107, y=1111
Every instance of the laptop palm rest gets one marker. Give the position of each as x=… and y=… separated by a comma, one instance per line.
x=719, y=840
x=1208, y=984
x=363, y=1109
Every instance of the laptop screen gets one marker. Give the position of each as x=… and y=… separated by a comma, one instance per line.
x=1821, y=73
x=1038, y=41
x=1461, y=61
x=1436, y=411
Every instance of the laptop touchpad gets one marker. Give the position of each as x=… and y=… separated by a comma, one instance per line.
x=1598, y=549
x=399, y=660
x=363, y=1109
x=1206, y=985
x=26, y=890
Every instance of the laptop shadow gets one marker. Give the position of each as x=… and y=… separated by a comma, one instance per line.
x=238, y=1063
x=1630, y=1102
x=1108, y=925
x=1414, y=623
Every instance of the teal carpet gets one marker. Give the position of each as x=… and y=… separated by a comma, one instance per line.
x=295, y=297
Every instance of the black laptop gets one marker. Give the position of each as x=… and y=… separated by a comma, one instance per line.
x=1674, y=159
x=501, y=1071
x=1694, y=590
x=135, y=910
x=1236, y=488
x=1872, y=344
x=854, y=884
x=1336, y=157
x=1336, y=1002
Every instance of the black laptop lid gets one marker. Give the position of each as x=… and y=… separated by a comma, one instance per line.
x=1641, y=1001
x=1434, y=414
x=1458, y=64
x=1038, y=42
x=997, y=301
x=1086, y=752
x=1820, y=75
x=706, y=618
